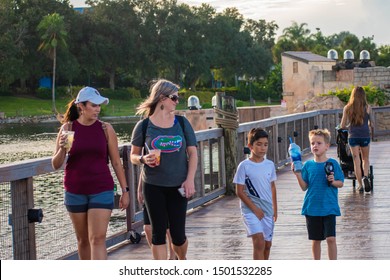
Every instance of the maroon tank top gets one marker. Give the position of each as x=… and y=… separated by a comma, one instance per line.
x=86, y=170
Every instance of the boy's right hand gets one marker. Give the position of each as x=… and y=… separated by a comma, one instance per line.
x=259, y=213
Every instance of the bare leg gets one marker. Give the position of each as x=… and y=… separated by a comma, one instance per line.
x=356, y=164
x=316, y=249
x=172, y=255
x=332, y=248
x=258, y=246
x=181, y=251
x=365, y=159
x=159, y=252
x=267, y=249
x=148, y=234
x=80, y=226
x=98, y=220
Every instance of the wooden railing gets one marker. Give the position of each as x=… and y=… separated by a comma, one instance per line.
x=17, y=179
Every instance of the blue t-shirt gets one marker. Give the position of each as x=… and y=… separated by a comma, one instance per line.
x=320, y=199
x=173, y=144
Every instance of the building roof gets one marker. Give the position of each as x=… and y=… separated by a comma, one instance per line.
x=307, y=57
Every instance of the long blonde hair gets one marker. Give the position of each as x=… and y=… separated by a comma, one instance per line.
x=157, y=89
x=357, y=106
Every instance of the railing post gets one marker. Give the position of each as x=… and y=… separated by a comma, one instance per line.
x=23, y=232
x=227, y=119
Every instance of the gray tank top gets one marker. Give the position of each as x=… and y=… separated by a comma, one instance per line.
x=360, y=131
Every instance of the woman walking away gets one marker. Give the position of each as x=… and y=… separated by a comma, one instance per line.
x=89, y=186
x=168, y=177
x=356, y=117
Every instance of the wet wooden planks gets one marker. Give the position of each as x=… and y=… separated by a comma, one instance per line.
x=215, y=231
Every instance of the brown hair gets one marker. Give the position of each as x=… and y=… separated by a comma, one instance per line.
x=321, y=132
x=157, y=89
x=255, y=134
x=356, y=106
x=72, y=112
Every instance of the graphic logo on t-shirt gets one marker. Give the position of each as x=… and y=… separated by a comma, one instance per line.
x=167, y=143
x=250, y=187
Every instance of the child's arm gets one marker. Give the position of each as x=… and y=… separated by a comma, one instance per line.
x=244, y=198
x=301, y=182
x=274, y=200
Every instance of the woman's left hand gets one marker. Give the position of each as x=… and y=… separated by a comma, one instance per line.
x=189, y=187
x=124, y=201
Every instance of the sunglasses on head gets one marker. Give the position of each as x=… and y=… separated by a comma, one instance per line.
x=173, y=97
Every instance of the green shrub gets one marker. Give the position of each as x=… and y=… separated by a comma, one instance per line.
x=44, y=93
x=375, y=96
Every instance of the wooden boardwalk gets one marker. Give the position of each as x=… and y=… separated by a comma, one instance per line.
x=216, y=232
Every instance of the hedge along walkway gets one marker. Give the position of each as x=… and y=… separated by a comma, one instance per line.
x=215, y=231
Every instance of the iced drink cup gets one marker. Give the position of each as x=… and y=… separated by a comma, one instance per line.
x=70, y=138
x=157, y=153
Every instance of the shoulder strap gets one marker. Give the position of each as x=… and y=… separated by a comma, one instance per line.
x=145, y=123
x=181, y=122
x=104, y=126
x=69, y=126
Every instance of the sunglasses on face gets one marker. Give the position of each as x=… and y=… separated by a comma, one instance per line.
x=174, y=98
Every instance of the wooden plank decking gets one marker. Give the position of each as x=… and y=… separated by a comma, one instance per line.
x=215, y=231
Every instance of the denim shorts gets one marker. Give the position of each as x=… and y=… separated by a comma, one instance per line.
x=362, y=142
x=79, y=203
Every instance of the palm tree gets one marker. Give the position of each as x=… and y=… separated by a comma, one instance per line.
x=297, y=34
x=53, y=34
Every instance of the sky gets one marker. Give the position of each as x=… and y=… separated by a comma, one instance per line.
x=360, y=17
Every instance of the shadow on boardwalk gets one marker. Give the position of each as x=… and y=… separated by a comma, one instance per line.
x=215, y=231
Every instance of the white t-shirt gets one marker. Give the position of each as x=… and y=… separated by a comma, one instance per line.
x=257, y=177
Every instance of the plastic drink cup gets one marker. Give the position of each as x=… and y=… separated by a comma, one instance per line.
x=70, y=138
x=157, y=153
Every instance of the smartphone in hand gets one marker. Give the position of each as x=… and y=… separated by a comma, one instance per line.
x=182, y=191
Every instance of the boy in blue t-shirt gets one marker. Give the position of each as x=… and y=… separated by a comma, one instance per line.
x=320, y=205
x=255, y=186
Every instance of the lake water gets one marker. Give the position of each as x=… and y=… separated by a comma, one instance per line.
x=55, y=235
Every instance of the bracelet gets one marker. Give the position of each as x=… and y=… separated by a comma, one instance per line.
x=125, y=190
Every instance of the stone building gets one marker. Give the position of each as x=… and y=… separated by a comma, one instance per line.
x=306, y=75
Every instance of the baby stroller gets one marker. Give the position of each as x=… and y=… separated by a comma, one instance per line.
x=346, y=159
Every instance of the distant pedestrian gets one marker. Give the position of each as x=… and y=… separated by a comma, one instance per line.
x=320, y=205
x=356, y=118
x=88, y=183
x=255, y=186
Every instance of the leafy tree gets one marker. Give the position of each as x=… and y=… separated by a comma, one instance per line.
x=53, y=35
x=112, y=45
x=383, y=56
x=12, y=31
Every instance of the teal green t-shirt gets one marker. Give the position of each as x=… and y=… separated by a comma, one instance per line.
x=320, y=199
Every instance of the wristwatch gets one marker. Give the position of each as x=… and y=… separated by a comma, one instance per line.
x=141, y=159
x=125, y=190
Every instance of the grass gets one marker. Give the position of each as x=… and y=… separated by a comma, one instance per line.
x=14, y=106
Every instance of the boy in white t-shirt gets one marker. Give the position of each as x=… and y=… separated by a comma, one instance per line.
x=255, y=186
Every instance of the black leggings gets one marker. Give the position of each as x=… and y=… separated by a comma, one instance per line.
x=166, y=205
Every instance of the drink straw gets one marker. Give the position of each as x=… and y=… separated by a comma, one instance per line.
x=147, y=147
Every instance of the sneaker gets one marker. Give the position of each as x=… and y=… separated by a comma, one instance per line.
x=367, y=185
